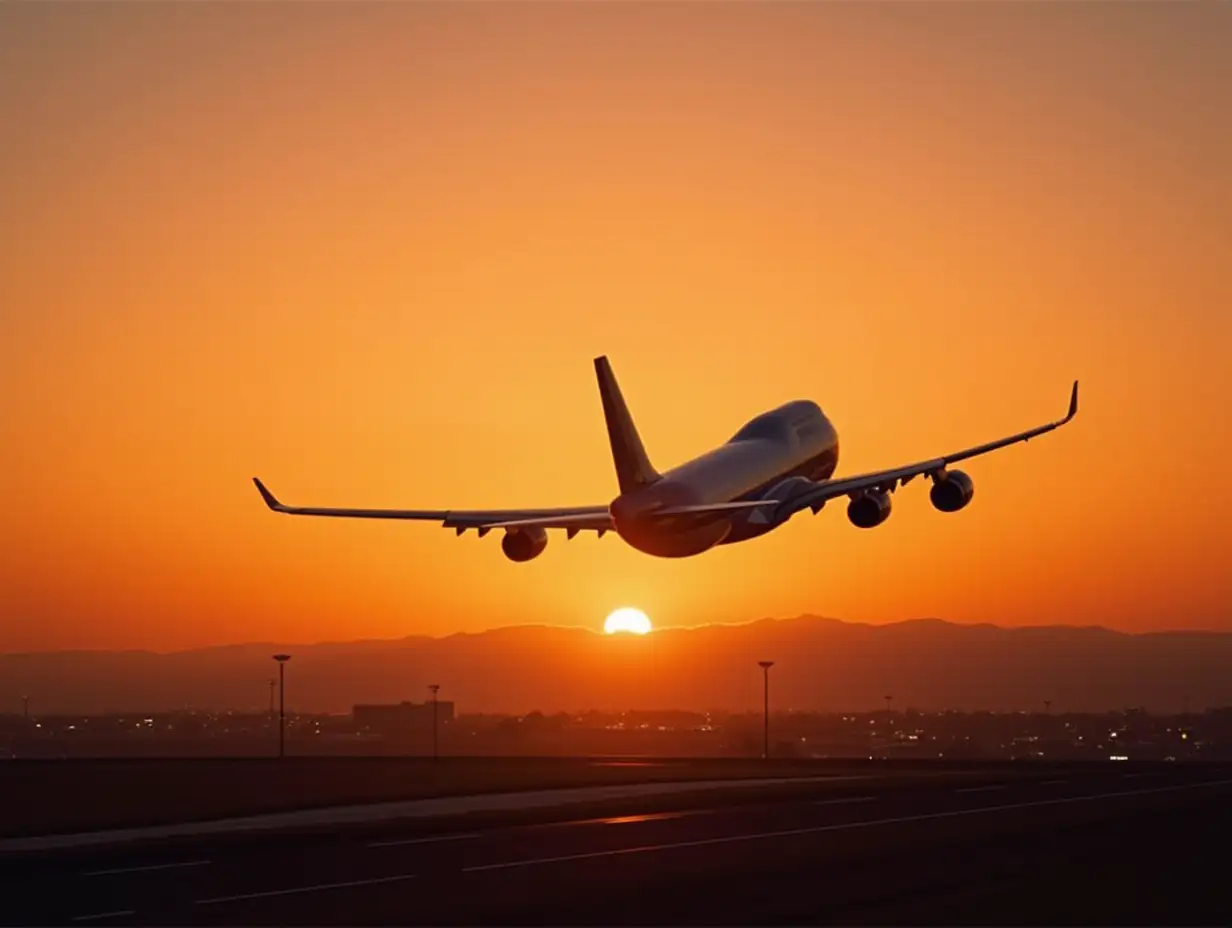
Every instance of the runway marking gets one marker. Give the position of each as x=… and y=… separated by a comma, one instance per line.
x=146, y=869
x=980, y=789
x=307, y=889
x=848, y=826
x=398, y=842
x=91, y=918
x=839, y=802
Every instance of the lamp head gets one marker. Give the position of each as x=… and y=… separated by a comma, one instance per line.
x=765, y=665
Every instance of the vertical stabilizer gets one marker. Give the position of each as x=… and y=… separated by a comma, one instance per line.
x=633, y=468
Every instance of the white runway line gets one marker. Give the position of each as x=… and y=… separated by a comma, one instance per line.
x=840, y=802
x=148, y=868
x=398, y=842
x=308, y=889
x=101, y=915
x=850, y=826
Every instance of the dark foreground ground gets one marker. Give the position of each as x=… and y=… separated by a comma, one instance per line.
x=1084, y=846
x=52, y=796
x=56, y=796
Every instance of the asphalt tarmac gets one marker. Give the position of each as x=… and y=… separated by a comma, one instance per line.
x=1089, y=847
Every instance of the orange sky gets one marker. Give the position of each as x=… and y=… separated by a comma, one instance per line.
x=367, y=252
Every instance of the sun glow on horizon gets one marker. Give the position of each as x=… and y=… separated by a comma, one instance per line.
x=541, y=168
x=627, y=619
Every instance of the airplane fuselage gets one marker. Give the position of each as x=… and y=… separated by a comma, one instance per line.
x=779, y=463
x=796, y=440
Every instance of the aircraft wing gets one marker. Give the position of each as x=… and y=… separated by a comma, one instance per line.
x=580, y=519
x=584, y=518
x=889, y=479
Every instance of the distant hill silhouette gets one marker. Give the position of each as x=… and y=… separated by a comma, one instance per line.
x=820, y=664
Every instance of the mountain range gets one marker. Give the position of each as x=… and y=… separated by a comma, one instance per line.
x=820, y=664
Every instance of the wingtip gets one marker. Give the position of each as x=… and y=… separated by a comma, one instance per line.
x=266, y=495
x=1073, y=402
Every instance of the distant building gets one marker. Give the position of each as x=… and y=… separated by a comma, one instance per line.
x=401, y=718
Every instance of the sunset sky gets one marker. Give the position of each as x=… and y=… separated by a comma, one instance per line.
x=368, y=251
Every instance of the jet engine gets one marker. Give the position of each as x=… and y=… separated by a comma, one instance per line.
x=952, y=492
x=869, y=509
x=523, y=544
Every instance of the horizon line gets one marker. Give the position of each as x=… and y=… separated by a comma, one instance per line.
x=599, y=633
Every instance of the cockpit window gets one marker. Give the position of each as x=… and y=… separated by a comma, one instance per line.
x=768, y=426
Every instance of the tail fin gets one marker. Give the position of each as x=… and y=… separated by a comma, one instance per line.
x=633, y=469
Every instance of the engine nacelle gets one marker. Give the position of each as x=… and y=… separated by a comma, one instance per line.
x=869, y=509
x=952, y=492
x=523, y=544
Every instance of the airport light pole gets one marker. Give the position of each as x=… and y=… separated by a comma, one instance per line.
x=889, y=707
x=272, y=683
x=435, y=688
x=765, y=729
x=282, y=702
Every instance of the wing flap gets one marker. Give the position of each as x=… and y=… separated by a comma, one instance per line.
x=571, y=522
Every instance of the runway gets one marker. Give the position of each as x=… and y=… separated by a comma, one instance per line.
x=1089, y=848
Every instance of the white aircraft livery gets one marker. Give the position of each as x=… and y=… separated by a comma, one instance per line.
x=780, y=463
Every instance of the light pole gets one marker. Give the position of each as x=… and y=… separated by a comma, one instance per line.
x=765, y=736
x=435, y=688
x=272, y=683
x=889, y=706
x=282, y=702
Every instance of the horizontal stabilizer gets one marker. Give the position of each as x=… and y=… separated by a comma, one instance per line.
x=592, y=521
x=707, y=508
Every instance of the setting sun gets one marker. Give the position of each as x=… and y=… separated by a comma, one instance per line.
x=627, y=620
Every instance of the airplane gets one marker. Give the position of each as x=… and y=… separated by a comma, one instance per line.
x=778, y=464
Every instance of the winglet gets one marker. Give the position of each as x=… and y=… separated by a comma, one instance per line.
x=1073, y=403
x=269, y=497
